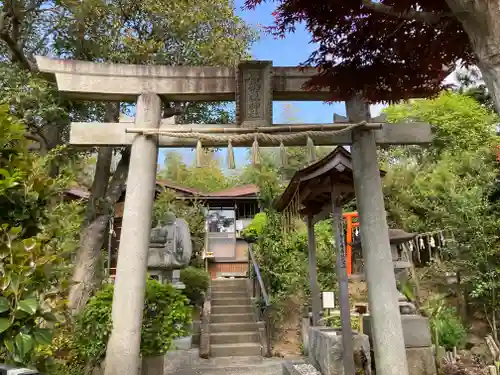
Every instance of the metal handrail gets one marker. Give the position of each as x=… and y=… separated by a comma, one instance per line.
x=263, y=293
x=259, y=277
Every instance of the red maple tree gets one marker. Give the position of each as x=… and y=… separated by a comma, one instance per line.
x=392, y=49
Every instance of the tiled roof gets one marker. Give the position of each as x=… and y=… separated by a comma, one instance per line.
x=171, y=185
x=239, y=191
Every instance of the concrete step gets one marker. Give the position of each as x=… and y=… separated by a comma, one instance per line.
x=188, y=362
x=234, y=337
x=257, y=369
x=233, y=327
x=230, y=291
x=232, y=318
x=235, y=350
x=229, y=285
x=232, y=309
x=225, y=294
x=227, y=282
x=230, y=301
x=233, y=370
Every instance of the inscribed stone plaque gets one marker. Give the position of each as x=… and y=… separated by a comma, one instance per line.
x=254, y=94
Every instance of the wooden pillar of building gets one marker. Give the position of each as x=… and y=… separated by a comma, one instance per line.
x=313, y=278
x=341, y=270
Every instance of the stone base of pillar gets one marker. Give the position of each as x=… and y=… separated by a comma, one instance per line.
x=418, y=343
x=147, y=366
x=416, y=331
x=306, y=324
x=421, y=361
x=152, y=365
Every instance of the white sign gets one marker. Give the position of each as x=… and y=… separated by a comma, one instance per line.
x=328, y=300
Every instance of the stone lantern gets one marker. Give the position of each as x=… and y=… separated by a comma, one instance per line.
x=401, y=266
x=417, y=338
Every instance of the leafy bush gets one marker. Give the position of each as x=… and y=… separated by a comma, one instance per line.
x=252, y=232
x=166, y=315
x=196, y=281
x=38, y=236
x=26, y=186
x=283, y=260
x=27, y=273
x=450, y=329
x=445, y=323
x=335, y=322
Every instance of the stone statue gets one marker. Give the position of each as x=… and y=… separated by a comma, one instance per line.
x=170, y=247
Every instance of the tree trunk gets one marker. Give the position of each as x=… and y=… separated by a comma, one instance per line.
x=102, y=170
x=86, y=274
x=479, y=19
x=99, y=184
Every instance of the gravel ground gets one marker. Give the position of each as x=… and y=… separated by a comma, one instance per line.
x=306, y=369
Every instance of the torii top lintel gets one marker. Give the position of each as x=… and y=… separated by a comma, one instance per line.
x=253, y=85
x=125, y=82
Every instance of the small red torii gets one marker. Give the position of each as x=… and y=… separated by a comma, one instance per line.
x=351, y=224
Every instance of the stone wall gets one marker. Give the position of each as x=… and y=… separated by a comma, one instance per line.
x=326, y=350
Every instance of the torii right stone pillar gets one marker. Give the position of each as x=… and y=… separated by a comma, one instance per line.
x=387, y=330
x=122, y=354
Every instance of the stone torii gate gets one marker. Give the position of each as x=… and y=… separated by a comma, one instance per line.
x=254, y=85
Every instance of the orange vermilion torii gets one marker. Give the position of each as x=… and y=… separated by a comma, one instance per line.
x=351, y=224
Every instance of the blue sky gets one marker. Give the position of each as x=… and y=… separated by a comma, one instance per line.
x=290, y=51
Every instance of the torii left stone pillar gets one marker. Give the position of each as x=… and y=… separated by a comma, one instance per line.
x=122, y=355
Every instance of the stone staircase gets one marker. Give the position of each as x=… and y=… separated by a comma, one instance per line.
x=233, y=327
x=188, y=362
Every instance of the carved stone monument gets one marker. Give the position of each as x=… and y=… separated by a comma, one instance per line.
x=170, y=249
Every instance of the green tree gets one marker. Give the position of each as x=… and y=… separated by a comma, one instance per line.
x=172, y=33
x=206, y=178
x=448, y=186
x=174, y=168
x=470, y=83
x=145, y=33
x=266, y=176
